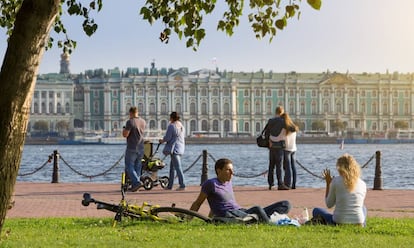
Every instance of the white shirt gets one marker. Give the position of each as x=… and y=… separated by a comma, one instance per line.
x=348, y=205
x=290, y=141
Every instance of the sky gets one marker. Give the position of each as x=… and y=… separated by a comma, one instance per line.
x=344, y=36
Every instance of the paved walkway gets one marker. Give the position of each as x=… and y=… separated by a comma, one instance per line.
x=35, y=200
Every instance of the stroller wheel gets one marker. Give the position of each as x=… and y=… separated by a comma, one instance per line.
x=164, y=181
x=148, y=183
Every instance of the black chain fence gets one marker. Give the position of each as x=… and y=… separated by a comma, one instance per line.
x=117, y=163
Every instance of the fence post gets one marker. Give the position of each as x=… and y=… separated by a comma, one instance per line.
x=55, y=175
x=378, y=179
x=204, y=169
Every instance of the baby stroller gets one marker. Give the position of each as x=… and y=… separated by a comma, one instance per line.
x=149, y=173
x=150, y=167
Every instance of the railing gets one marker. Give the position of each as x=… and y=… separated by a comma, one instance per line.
x=55, y=156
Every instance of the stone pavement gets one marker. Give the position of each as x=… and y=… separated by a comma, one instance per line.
x=34, y=200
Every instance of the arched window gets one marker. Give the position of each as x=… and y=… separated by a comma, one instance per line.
x=67, y=108
x=226, y=108
x=203, y=108
x=215, y=125
x=204, y=125
x=246, y=127
x=193, y=126
x=193, y=109
x=178, y=107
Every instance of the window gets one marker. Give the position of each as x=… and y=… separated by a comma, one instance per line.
x=43, y=107
x=51, y=108
x=193, y=91
x=280, y=93
x=351, y=108
x=178, y=107
x=269, y=93
x=314, y=107
x=163, y=108
x=374, y=108
x=258, y=107
x=193, y=126
x=128, y=91
x=385, y=108
x=67, y=108
x=215, y=92
x=140, y=108
x=246, y=108
x=163, y=91
x=258, y=127
x=193, y=109
x=163, y=125
x=339, y=107
x=258, y=92
x=226, y=91
x=152, y=92
x=226, y=125
x=246, y=92
x=204, y=125
x=215, y=125
x=326, y=107
x=302, y=108
x=269, y=107
x=226, y=108
x=291, y=107
x=178, y=91
x=215, y=109
x=152, y=109
x=114, y=107
x=35, y=108
x=203, y=108
x=204, y=91
x=246, y=127
x=313, y=93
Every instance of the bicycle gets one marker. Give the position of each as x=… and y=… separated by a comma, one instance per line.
x=145, y=211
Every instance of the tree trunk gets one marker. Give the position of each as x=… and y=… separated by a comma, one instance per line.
x=17, y=82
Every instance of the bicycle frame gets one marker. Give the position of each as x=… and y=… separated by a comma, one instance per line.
x=144, y=211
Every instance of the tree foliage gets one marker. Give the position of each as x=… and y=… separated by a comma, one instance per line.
x=401, y=124
x=185, y=17
x=318, y=125
x=42, y=126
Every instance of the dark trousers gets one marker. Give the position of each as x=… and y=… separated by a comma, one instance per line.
x=282, y=207
x=275, y=161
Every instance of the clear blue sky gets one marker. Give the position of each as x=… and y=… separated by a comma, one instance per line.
x=347, y=35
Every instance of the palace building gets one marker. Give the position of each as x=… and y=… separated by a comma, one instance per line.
x=221, y=103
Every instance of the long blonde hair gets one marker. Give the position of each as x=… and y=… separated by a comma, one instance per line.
x=290, y=125
x=349, y=169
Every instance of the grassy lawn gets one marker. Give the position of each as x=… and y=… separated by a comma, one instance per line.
x=98, y=232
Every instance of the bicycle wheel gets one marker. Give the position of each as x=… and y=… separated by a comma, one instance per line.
x=173, y=214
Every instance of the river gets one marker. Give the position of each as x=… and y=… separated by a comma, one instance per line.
x=81, y=163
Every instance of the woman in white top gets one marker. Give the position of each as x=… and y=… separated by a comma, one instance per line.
x=289, y=157
x=346, y=193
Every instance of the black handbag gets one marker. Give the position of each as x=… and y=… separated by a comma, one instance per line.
x=261, y=140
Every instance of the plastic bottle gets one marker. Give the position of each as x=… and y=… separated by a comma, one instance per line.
x=305, y=216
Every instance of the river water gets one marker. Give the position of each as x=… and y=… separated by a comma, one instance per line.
x=85, y=163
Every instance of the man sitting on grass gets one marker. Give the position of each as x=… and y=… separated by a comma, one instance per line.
x=220, y=196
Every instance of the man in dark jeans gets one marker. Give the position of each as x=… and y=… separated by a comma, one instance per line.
x=273, y=131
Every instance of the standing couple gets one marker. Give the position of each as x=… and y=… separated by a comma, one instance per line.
x=281, y=133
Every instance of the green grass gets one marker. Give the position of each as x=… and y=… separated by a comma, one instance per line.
x=98, y=232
